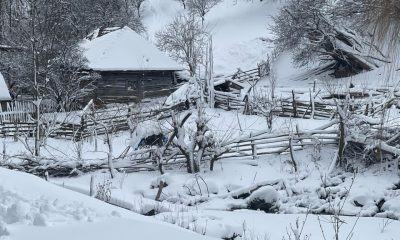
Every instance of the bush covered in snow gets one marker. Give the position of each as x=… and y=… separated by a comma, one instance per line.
x=3, y=229
x=265, y=199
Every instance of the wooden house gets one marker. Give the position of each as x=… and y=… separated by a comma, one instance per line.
x=130, y=67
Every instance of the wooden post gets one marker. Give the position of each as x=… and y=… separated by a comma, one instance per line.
x=314, y=86
x=253, y=147
x=366, y=109
x=292, y=154
x=4, y=151
x=298, y=135
x=81, y=129
x=91, y=192
x=341, y=143
x=294, y=105
x=312, y=104
x=160, y=188
x=16, y=133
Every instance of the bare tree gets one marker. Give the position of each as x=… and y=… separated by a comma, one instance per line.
x=201, y=7
x=197, y=143
x=68, y=84
x=94, y=14
x=54, y=28
x=311, y=30
x=184, y=40
x=138, y=5
x=381, y=17
x=183, y=2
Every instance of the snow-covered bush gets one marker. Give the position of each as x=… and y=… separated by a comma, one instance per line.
x=165, y=178
x=265, y=198
x=103, y=190
x=198, y=186
x=17, y=212
x=3, y=230
x=193, y=147
x=39, y=220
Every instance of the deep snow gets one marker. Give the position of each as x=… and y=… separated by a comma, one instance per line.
x=241, y=38
x=31, y=208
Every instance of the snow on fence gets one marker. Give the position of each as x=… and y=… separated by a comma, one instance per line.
x=245, y=76
x=21, y=111
x=233, y=101
x=17, y=112
x=263, y=143
x=18, y=121
x=252, y=146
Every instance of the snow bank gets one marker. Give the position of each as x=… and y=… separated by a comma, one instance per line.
x=32, y=208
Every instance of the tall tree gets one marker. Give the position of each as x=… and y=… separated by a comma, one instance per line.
x=201, y=7
x=184, y=40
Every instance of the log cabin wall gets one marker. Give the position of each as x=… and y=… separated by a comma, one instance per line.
x=133, y=86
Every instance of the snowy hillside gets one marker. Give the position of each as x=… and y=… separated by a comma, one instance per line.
x=237, y=151
x=238, y=29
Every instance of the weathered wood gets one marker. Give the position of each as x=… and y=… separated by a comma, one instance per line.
x=132, y=86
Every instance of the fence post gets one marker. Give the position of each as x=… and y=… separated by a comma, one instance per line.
x=298, y=135
x=81, y=129
x=294, y=105
x=253, y=147
x=16, y=133
x=342, y=143
x=366, y=109
x=292, y=153
x=312, y=104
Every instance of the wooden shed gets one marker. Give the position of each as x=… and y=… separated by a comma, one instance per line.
x=130, y=67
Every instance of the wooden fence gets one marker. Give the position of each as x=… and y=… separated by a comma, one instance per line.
x=77, y=127
x=245, y=76
x=228, y=101
x=251, y=146
x=22, y=111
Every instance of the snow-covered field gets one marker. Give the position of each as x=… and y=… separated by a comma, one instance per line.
x=213, y=204
x=31, y=208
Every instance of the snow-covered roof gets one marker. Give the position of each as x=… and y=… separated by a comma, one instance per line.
x=4, y=93
x=124, y=50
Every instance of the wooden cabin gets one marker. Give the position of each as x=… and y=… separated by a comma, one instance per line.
x=130, y=67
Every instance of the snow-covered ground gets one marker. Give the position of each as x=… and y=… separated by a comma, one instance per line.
x=31, y=208
x=205, y=203
x=240, y=29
